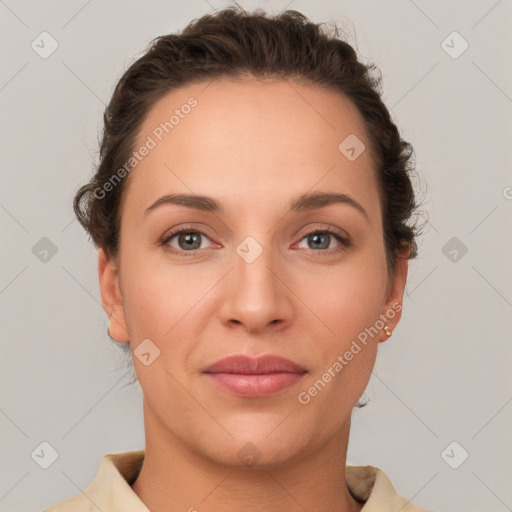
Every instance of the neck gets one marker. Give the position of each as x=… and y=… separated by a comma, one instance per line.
x=176, y=478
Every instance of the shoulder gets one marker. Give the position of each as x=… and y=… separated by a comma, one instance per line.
x=110, y=489
x=75, y=504
x=372, y=486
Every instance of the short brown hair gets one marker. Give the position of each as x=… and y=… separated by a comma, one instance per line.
x=230, y=44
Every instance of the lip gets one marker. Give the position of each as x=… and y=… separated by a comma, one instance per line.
x=254, y=377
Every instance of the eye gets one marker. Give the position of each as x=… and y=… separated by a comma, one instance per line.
x=320, y=241
x=185, y=240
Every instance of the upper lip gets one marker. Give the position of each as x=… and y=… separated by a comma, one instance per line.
x=254, y=366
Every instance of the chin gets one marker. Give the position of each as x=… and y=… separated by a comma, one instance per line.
x=255, y=449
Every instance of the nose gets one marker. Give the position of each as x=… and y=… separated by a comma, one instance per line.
x=255, y=295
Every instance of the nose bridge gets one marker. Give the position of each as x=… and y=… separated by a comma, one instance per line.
x=255, y=297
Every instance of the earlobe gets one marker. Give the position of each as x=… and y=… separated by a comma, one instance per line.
x=111, y=297
x=394, y=300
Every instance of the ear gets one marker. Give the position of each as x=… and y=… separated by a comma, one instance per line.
x=111, y=297
x=395, y=293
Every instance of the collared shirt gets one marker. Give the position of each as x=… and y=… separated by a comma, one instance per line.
x=110, y=490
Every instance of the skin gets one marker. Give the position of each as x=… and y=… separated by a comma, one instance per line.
x=253, y=146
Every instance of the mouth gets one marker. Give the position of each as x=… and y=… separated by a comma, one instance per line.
x=254, y=377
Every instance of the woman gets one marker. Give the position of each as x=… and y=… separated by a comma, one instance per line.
x=252, y=213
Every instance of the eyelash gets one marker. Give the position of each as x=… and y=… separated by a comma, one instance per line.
x=345, y=243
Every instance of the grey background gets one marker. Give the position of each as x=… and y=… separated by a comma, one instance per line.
x=444, y=375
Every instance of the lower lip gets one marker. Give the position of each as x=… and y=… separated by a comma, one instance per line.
x=255, y=385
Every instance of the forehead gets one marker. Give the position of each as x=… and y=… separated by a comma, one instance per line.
x=242, y=139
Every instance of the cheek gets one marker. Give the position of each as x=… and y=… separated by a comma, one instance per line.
x=347, y=298
x=346, y=351
x=346, y=303
x=156, y=299
x=344, y=347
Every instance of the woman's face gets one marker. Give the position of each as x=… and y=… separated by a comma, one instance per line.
x=249, y=278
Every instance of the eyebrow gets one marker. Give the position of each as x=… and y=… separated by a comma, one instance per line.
x=311, y=201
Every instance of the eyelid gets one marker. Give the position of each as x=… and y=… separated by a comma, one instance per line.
x=328, y=228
